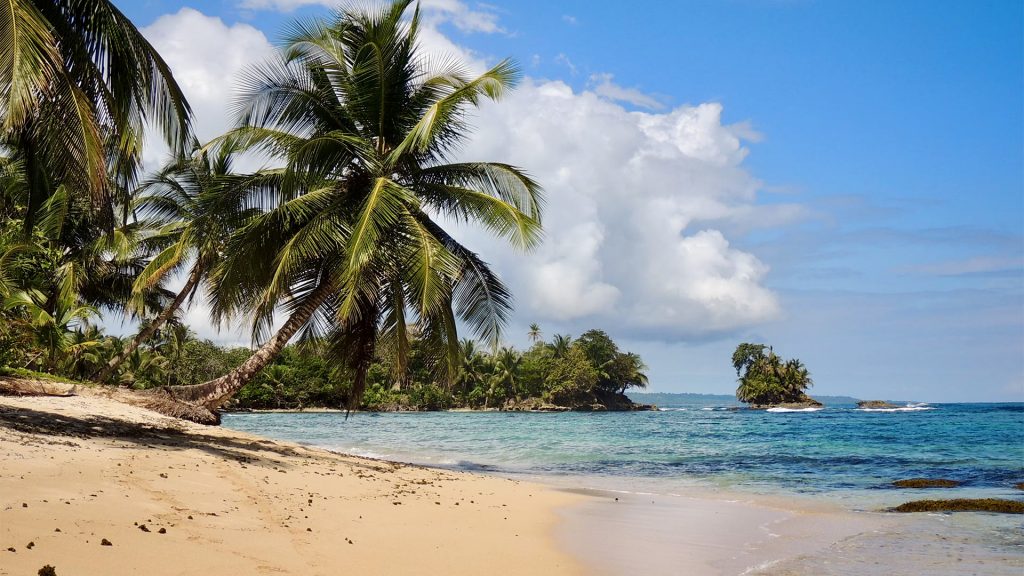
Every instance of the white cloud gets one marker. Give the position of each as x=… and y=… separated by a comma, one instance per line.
x=565, y=61
x=603, y=85
x=480, y=19
x=207, y=58
x=630, y=198
x=570, y=19
x=640, y=205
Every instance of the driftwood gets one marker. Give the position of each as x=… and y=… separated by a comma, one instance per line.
x=32, y=387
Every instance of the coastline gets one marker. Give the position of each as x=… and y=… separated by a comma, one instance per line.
x=96, y=468
x=83, y=469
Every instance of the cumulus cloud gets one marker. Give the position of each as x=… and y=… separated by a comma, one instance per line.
x=640, y=205
x=630, y=198
x=603, y=85
x=208, y=58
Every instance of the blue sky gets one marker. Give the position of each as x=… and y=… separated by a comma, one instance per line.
x=875, y=202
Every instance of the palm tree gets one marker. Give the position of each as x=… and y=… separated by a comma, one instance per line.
x=560, y=345
x=193, y=202
x=534, y=334
x=78, y=82
x=506, y=370
x=52, y=324
x=472, y=365
x=350, y=250
x=633, y=374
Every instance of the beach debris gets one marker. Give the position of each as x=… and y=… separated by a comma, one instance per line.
x=999, y=505
x=105, y=542
x=47, y=571
x=162, y=531
x=143, y=528
x=30, y=545
x=926, y=483
x=12, y=549
x=24, y=504
x=56, y=529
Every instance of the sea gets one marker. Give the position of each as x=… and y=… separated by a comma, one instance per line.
x=839, y=455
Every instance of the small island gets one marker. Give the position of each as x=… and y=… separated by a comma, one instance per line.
x=768, y=381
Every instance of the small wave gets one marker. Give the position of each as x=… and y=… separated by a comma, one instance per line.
x=779, y=409
x=672, y=409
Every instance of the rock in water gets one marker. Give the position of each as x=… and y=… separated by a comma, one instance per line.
x=926, y=483
x=963, y=505
x=875, y=404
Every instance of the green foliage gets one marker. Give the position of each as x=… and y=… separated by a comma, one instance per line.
x=572, y=377
x=765, y=379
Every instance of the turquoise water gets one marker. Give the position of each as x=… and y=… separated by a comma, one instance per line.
x=839, y=451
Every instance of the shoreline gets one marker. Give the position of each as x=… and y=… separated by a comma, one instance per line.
x=175, y=498
x=114, y=466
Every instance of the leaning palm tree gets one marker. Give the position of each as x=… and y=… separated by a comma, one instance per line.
x=192, y=202
x=352, y=251
x=78, y=82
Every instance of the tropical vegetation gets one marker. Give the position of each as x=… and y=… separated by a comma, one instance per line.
x=346, y=237
x=766, y=379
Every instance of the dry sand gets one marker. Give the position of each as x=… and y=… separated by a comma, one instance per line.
x=174, y=498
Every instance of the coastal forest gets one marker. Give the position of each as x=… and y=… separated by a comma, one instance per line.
x=336, y=252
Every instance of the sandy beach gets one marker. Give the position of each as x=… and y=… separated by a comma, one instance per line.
x=173, y=498
x=92, y=486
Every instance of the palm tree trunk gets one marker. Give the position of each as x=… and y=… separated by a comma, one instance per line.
x=212, y=394
x=147, y=333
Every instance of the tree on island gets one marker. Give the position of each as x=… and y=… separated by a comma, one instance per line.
x=766, y=379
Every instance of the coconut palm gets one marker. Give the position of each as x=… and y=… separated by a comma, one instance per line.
x=193, y=203
x=78, y=82
x=352, y=251
x=534, y=334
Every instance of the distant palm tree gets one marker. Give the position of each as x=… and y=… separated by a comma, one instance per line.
x=352, y=251
x=534, y=333
x=78, y=82
x=560, y=345
x=506, y=370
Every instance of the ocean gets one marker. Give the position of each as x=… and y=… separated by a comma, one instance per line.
x=839, y=454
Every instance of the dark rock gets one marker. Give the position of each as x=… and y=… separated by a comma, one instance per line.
x=875, y=404
x=47, y=571
x=1019, y=485
x=926, y=483
x=999, y=505
x=803, y=403
x=143, y=528
x=162, y=531
x=105, y=542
